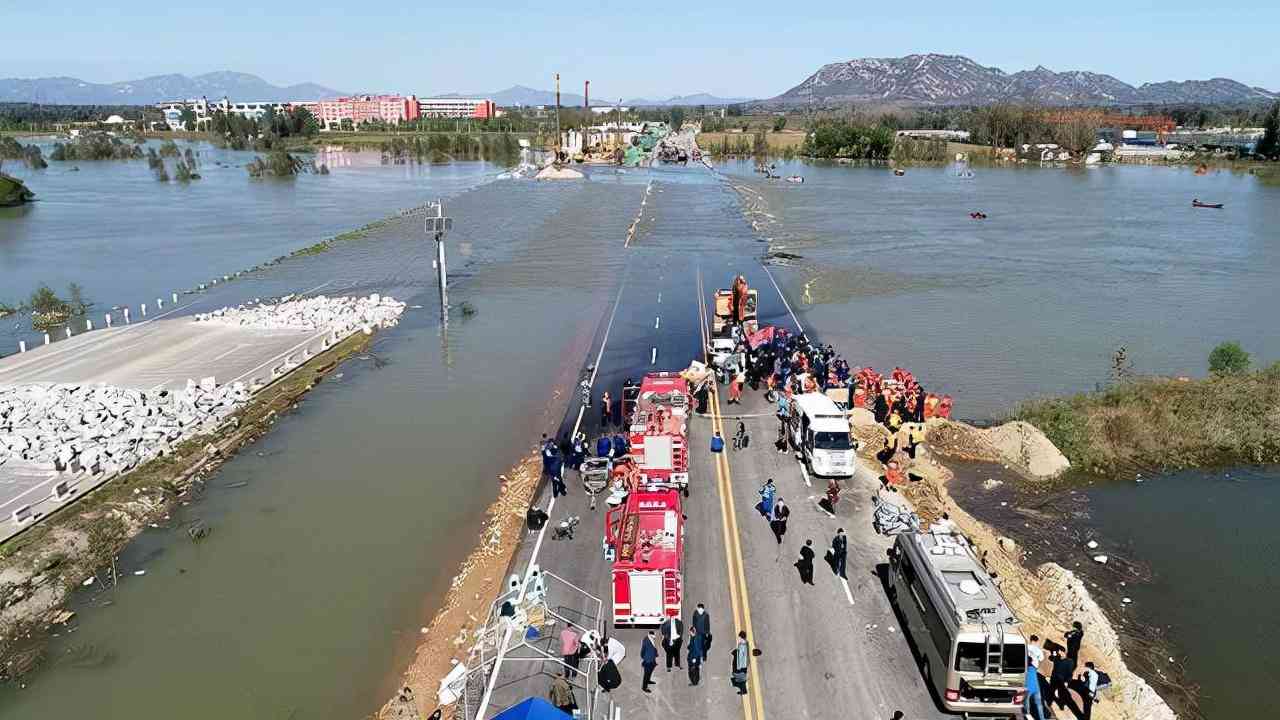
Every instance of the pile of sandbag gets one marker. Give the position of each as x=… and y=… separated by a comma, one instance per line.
x=892, y=519
x=102, y=428
x=339, y=314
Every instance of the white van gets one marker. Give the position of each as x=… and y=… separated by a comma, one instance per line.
x=819, y=431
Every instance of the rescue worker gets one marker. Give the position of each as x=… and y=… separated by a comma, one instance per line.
x=606, y=410
x=839, y=552
x=696, y=655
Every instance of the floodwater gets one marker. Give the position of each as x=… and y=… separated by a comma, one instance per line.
x=127, y=239
x=1209, y=537
x=1068, y=266
x=1194, y=552
x=309, y=595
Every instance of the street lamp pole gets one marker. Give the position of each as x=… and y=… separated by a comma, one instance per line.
x=436, y=225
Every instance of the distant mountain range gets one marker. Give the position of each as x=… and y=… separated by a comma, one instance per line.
x=158, y=88
x=521, y=95
x=956, y=80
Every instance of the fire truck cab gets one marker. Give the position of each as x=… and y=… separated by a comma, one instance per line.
x=644, y=537
x=657, y=411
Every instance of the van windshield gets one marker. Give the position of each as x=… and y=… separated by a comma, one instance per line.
x=831, y=441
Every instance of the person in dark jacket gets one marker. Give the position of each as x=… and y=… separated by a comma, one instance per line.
x=696, y=655
x=778, y=519
x=672, y=638
x=839, y=552
x=608, y=677
x=648, y=660
x=702, y=623
x=805, y=563
x=1074, y=637
x=1063, y=667
x=604, y=446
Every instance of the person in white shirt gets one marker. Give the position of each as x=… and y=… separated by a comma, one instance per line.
x=1087, y=686
x=1035, y=652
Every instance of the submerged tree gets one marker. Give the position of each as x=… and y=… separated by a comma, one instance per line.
x=1269, y=146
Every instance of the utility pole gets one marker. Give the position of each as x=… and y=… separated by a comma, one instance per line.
x=436, y=225
x=557, y=117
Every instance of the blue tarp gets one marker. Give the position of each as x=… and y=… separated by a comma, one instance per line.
x=533, y=709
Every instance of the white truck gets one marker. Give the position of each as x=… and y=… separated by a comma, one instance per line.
x=819, y=432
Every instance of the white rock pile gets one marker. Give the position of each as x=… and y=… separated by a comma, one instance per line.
x=342, y=315
x=101, y=428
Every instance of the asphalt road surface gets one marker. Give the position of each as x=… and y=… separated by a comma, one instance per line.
x=831, y=650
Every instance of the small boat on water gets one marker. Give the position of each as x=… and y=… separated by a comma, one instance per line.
x=899, y=172
x=1197, y=203
x=794, y=179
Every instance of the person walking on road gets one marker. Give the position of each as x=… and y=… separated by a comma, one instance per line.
x=648, y=660
x=735, y=388
x=557, y=474
x=672, y=638
x=741, y=656
x=606, y=410
x=778, y=519
x=766, y=492
x=740, y=438
x=570, y=650
x=717, y=443
x=805, y=563
x=839, y=552
x=696, y=655
x=702, y=623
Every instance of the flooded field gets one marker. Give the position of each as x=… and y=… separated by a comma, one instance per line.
x=1068, y=266
x=336, y=536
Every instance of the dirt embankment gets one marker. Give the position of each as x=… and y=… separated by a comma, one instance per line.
x=40, y=568
x=480, y=579
x=1046, y=598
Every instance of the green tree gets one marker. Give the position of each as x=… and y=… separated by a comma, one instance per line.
x=779, y=123
x=1228, y=359
x=77, y=304
x=45, y=301
x=676, y=117
x=1269, y=146
x=733, y=111
x=188, y=118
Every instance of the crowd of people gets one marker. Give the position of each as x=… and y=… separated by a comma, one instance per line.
x=1063, y=661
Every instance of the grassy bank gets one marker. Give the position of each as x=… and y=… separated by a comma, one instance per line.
x=1150, y=424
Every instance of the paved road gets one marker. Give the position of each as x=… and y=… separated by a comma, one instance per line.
x=162, y=353
x=821, y=656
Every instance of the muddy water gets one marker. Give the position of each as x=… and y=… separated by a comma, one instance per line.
x=1192, y=551
x=1067, y=267
x=126, y=238
x=309, y=595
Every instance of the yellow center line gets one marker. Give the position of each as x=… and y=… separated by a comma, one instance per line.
x=753, y=702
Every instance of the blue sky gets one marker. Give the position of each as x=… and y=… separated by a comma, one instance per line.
x=751, y=49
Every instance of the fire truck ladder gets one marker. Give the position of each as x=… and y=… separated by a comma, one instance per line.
x=671, y=591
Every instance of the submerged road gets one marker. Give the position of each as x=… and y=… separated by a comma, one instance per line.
x=832, y=650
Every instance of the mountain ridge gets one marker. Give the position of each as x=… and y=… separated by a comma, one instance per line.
x=64, y=90
x=936, y=79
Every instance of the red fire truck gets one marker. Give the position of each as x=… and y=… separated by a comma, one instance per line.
x=658, y=413
x=645, y=535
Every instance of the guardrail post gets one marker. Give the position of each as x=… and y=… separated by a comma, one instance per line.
x=175, y=298
x=159, y=303
x=68, y=329
x=46, y=338
x=126, y=316
x=22, y=346
x=108, y=319
x=144, y=309
x=88, y=324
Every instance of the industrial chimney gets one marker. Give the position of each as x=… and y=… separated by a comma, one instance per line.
x=586, y=96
